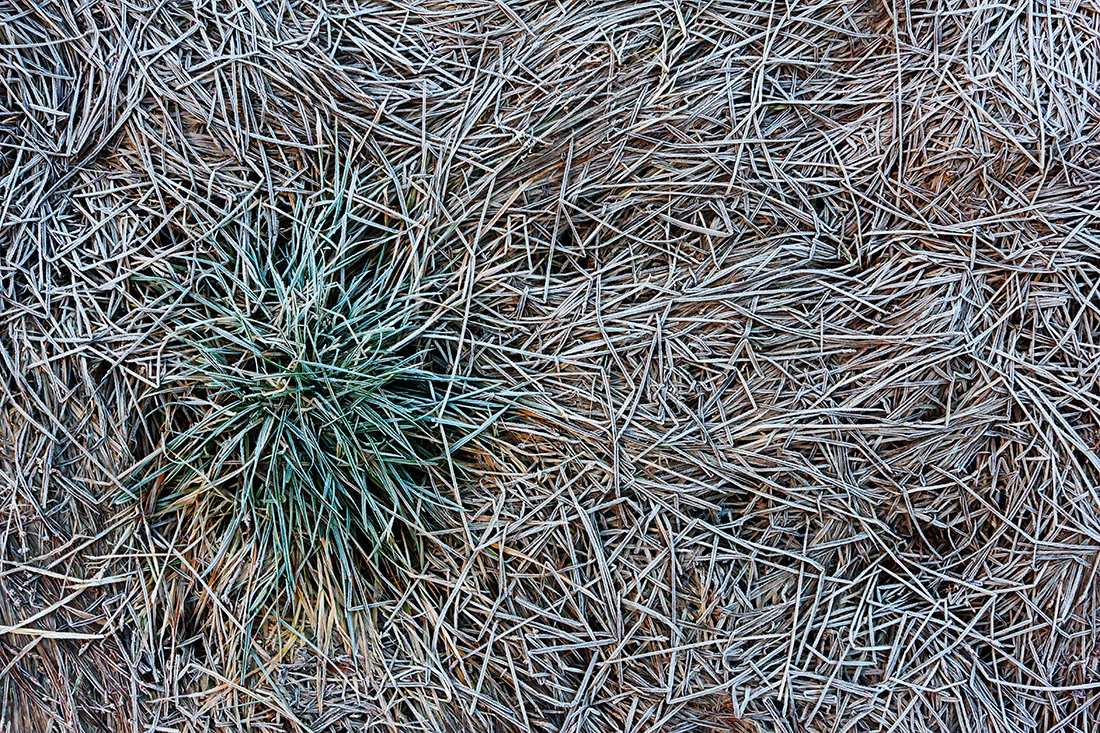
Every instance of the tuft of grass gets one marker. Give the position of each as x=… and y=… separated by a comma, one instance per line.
x=319, y=432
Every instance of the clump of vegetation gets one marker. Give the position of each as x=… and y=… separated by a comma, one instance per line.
x=318, y=429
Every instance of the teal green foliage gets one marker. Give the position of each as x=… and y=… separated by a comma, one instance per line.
x=322, y=425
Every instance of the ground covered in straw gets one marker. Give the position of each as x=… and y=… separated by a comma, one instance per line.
x=672, y=365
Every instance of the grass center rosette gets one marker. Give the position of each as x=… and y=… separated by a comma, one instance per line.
x=322, y=436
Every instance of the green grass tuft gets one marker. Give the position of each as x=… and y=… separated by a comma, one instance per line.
x=320, y=430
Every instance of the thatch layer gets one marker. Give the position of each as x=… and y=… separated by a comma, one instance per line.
x=802, y=300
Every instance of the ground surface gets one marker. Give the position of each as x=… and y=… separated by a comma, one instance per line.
x=791, y=311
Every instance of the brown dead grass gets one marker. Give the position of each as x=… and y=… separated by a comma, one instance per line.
x=806, y=295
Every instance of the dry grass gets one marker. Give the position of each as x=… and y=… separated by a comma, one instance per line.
x=791, y=312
